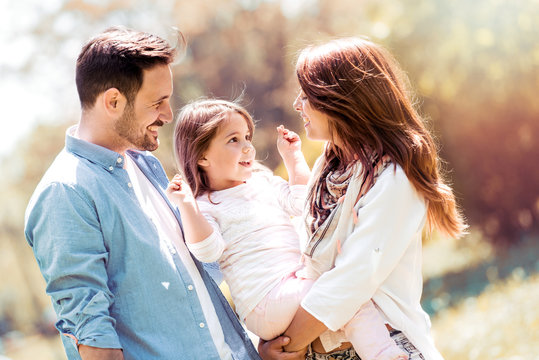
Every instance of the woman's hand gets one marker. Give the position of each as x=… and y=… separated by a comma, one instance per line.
x=303, y=330
x=273, y=350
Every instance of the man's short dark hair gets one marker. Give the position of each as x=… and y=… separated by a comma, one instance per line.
x=116, y=58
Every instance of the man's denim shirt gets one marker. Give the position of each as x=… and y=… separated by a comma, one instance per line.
x=109, y=275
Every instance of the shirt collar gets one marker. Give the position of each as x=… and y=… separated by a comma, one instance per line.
x=108, y=159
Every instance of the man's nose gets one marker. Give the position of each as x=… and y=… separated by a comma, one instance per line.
x=166, y=114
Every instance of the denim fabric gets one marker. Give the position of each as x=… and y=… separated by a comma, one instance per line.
x=350, y=354
x=112, y=281
x=405, y=344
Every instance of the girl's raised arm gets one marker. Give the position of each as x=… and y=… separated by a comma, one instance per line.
x=289, y=146
x=196, y=227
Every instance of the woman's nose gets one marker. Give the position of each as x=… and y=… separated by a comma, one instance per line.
x=297, y=103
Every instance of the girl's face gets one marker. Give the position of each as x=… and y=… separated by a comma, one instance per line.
x=229, y=159
x=316, y=123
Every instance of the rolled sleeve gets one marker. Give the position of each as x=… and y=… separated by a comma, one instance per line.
x=291, y=197
x=298, y=194
x=210, y=249
x=390, y=216
x=64, y=232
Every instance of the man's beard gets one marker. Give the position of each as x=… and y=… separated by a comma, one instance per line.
x=124, y=127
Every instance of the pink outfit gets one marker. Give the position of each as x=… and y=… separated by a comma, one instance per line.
x=377, y=345
x=275, y=312
x=366, y=331
x=257, y=248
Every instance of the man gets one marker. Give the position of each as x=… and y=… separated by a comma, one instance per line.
x=106, y=239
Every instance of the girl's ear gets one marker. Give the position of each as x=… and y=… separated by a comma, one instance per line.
x=203, y=162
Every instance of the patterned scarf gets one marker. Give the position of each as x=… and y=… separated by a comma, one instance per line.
x=334, y=185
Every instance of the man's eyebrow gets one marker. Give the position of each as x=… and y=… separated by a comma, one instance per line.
x=164, y=97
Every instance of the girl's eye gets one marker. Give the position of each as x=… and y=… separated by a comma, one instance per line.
x=248, y=137
x=234, y=139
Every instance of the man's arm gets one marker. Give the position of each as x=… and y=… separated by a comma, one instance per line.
x=65, y=234
x=273, y=350
x=92, y=353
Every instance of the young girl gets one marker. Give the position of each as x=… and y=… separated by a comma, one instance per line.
x=373, y=189
x=241, y=218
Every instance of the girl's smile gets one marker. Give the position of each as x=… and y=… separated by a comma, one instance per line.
x=229, y=159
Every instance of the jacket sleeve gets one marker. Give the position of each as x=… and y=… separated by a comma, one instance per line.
x=63, y=229
x=389, y=217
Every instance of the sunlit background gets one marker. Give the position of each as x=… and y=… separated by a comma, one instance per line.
x=473, y=64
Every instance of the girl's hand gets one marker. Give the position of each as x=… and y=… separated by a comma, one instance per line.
x=179, y=192
x=289, y=146
x=288, y=142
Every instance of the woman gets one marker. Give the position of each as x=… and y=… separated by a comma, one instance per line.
x=374, y=188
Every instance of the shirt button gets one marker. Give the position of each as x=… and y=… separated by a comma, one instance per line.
x=119, y=160
x=190, y=287
x=111, y=168
x=201, y=325
x=129, y=184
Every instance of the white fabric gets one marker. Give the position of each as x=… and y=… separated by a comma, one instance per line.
x=252, y=233
x=378, y=258
x=156, y=208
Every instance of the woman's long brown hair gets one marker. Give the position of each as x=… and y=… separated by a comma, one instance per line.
x=368, y=101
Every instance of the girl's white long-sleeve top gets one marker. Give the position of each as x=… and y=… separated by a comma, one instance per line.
x=254, y=239
x=376, y=256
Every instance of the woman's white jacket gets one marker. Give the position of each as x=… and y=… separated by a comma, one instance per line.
x=374, y=256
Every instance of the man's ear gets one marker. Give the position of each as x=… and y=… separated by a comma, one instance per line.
x=113, y=102
x=203, y=162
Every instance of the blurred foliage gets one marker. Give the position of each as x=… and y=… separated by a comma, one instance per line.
x=488, y=327
x=474, y=66
x=23, y=305
x=477, y=74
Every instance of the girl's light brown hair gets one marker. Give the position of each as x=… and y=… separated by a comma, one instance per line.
x=196, y=126
x=366, y=96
